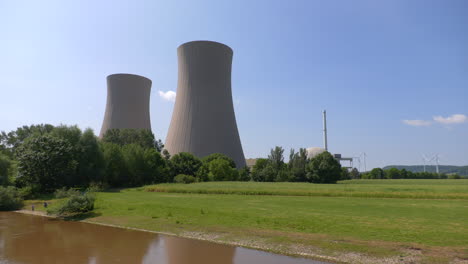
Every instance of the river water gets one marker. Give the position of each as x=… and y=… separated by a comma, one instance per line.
x=40, y=240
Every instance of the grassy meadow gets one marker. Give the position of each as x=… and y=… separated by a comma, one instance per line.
x=416, y=189
x=425, y=221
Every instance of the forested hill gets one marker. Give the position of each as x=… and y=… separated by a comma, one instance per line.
x=461, y=170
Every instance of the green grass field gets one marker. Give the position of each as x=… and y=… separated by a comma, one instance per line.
x=302, y=218
x=416, y=189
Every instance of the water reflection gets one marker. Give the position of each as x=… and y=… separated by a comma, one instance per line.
x=37, y=240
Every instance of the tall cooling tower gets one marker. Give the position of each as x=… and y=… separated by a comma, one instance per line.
x=203, y=121
x=128, y=98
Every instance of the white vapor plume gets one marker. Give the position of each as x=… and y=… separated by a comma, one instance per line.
x=168, y=96
x=453, y=119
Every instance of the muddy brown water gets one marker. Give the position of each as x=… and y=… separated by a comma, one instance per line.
x=38, y=240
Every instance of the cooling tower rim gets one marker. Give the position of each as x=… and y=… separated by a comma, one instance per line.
x=226, y=47
x=129, y=76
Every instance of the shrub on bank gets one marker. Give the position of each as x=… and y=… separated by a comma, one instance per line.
x=10, y=199
x=29, y=192
x=75, y=204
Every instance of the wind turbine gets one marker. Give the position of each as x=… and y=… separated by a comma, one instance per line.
x=425, y=159
x=364, y=155
x=436, y=158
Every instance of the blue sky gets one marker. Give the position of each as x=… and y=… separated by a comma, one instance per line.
x=371, y=64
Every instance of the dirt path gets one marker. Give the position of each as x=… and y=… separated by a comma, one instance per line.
x=30, y=212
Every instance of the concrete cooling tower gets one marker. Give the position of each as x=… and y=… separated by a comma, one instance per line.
x=128, y=98
x=203, y=121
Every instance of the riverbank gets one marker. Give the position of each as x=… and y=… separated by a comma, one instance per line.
x=333, y=229
x=208, y=237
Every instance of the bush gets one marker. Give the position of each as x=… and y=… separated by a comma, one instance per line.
x=63, y=193
x=97, y=187
x=29, y=192
x=453, y=176
x=183, y=178
x=75, y=204
x=10, y=199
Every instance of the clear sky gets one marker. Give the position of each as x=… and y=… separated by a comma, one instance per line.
x=393, y=75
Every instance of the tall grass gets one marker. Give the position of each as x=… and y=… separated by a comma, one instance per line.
x=414, y=189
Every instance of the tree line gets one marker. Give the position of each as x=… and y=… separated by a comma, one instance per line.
x=43, y=158
x=394, y=173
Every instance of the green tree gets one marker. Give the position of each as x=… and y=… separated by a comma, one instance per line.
x=376, y=173
x=90, y=160
x=166, y=154
x=12, y=140
x=392, y=173
x=5, y=167
x=115, y=169
x=209, y=158
x=244, y=174
x=10, y=199
x=156, y=166
x=345, y=174
x=297, y=165
x=269, y=173
x=354, y=174
x=46, y=161
x=134, y=156
x=204, y=171
x=323, y=168
x=283, y=175
x=257, y=170
x=221, y=170
x=185, y=163
x=276, y=158
x=72, y=134
x=143, y=137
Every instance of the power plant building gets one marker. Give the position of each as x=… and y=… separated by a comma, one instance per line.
x=203, y=121
x=128, y=99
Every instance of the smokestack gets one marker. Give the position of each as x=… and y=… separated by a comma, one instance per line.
x=203, y=121
x=325, y=143
x=128, y=98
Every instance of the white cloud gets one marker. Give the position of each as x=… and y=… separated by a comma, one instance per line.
x=417, y=122
x=453, y=119
x=168, y=96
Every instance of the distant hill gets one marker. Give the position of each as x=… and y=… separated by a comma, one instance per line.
x=461, y=170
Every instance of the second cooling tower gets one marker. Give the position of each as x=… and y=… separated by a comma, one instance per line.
x=128, y=99
x=203, y=121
